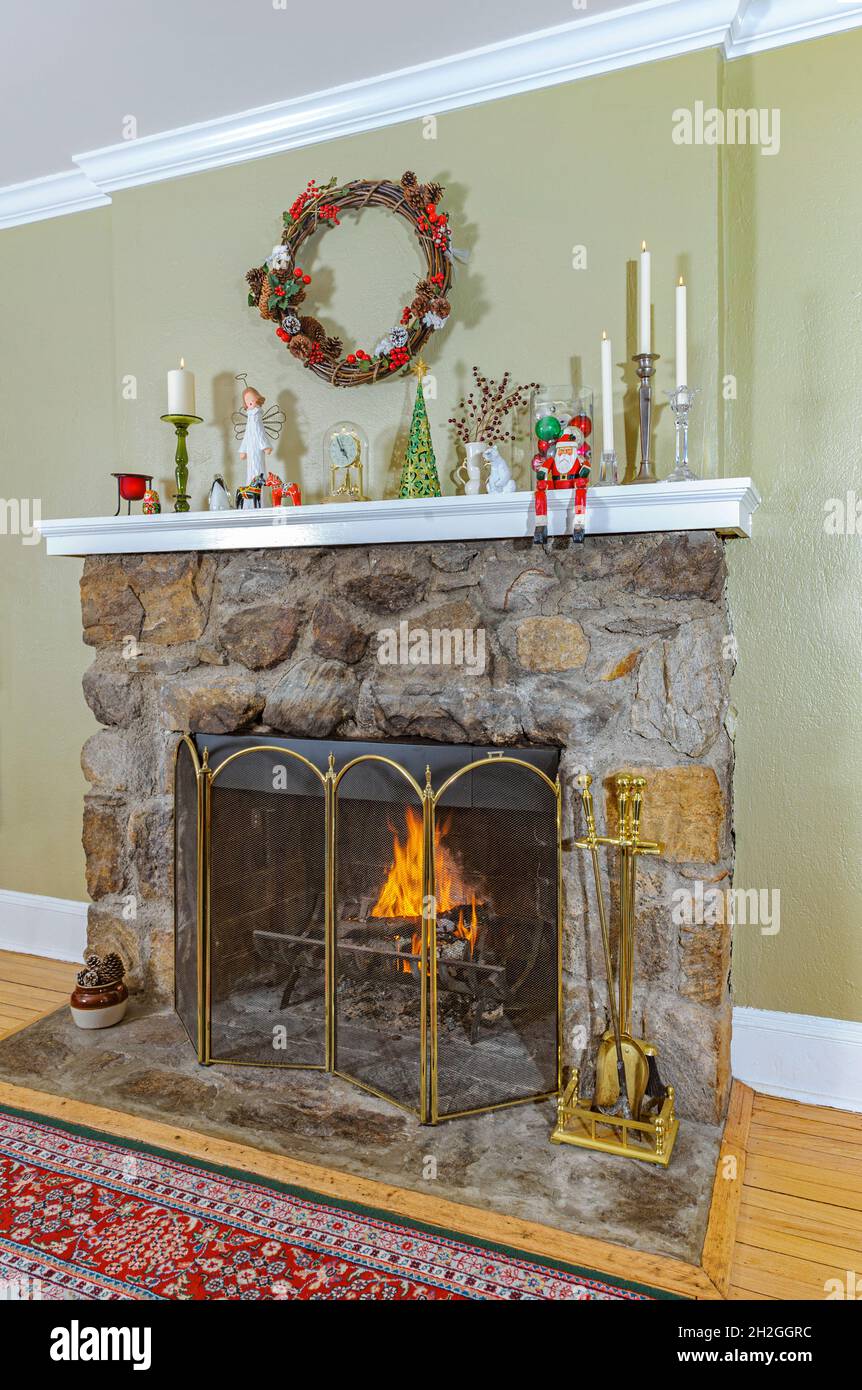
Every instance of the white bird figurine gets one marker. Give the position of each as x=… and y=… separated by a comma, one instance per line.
x=219, y=499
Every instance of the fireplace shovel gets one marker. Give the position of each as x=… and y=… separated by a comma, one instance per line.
x=625, y=1089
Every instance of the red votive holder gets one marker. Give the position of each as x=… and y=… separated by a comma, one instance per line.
x=131, y=488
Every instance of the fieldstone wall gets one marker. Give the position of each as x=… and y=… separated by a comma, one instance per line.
x=614, y=651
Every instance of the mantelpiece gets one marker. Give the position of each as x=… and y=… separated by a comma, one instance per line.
x=723, y=505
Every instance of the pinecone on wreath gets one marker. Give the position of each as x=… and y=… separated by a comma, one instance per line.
x=263, y=300
x=301, y=346
x=410, y=184
x=332, y=347
x=255, y=280
x=433, y=192
x=312, y=329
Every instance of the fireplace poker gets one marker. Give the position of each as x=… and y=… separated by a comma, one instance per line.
x=584, y=782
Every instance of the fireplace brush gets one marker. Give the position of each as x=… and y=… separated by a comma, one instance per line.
x=630, y=1113
x=584, y=782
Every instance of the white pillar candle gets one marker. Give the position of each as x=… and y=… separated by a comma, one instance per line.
x=681, y=334
x=181, y=391
x=607, y=395
x=645, y=302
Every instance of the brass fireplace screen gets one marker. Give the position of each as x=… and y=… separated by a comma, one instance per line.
x=393, y=917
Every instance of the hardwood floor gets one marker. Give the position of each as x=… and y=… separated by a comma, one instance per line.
x=793, y=1223
x=31, y=987
x=800, y=1216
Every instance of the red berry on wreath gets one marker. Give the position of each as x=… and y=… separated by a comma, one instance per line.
x=306, y=279
x=297, y=274
x=352, y=357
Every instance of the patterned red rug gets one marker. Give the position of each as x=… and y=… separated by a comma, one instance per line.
x=86, y=1216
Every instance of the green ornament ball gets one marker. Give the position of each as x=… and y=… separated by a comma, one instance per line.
x=548, y=427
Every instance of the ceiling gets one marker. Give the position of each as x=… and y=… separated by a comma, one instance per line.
x=98, y=95
x=70, y=73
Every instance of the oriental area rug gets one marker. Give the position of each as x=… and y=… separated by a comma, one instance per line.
x=84, y=1216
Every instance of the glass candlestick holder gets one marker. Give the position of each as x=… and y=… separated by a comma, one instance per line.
x=608, y=469
x=681, y=402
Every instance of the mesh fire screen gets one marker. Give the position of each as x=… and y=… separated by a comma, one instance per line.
x=267, y=920
x=395, y=919
x=378, y=930
x=495, y=890
x=186, y=889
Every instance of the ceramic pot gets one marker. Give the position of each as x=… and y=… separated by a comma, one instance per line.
x=470, y=471
x=99, y=1006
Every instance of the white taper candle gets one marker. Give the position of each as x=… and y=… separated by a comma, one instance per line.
x=645, y=301
x=607, y=395
x=681, y=334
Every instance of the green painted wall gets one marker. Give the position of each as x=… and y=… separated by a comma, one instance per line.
x=793, y=338
x=57, y=444
x=765, y=245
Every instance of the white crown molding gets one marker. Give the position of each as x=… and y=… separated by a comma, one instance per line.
x=52, y=196
x=35, y=925
x=583, y=47
x=800, y=1056
x=763, y=24
x=601, y=43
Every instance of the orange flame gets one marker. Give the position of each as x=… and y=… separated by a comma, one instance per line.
x=401, y=893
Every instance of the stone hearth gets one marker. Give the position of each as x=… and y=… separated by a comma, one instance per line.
x=615, y=652
x=500, y=1162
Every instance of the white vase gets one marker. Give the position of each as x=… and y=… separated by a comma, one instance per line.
x=470, y=471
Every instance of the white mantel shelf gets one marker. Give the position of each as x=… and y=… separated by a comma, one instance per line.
x=725, y=505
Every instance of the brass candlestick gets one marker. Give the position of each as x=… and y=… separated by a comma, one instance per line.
x=181, y=424
x=646, y=371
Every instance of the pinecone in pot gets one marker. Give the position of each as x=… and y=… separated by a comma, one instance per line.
x=112, y=968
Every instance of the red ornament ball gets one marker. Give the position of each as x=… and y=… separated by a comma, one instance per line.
x=582, y=423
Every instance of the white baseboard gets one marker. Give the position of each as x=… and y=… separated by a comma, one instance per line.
x=800, y=1056
x=40, y=926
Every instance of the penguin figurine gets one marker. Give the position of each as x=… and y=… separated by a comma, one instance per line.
x=219, y=499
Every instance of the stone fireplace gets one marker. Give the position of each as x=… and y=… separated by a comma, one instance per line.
x=613, y=656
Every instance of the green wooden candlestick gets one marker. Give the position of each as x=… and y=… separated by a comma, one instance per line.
x=181, y=424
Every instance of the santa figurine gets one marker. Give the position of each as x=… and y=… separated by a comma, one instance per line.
x=562, y=463
x=255, y=447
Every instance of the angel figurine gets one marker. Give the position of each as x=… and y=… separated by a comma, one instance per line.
x=256, y=430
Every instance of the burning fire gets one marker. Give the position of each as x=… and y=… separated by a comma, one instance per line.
x=401, y=893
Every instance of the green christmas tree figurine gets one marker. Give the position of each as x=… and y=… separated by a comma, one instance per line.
x=419, y=470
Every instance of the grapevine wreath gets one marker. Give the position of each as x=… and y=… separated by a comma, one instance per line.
x=278, y=287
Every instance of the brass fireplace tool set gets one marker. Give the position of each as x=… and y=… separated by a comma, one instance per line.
x=631, y=1112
